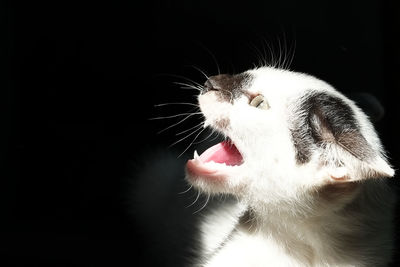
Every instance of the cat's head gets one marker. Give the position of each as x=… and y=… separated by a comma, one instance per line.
x=287, y=134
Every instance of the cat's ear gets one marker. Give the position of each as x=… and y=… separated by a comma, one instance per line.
x=369, y=104
x=340, y=133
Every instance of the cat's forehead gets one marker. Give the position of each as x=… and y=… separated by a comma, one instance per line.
x=284, y=82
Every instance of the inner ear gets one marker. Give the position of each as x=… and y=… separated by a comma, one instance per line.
x=333, y=121
x=328, y=129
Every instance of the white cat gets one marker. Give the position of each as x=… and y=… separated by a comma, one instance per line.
x=307, y=168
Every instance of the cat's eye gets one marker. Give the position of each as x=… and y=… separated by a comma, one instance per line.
x=259, y=102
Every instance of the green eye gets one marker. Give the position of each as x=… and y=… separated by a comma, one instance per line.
x=259, y=102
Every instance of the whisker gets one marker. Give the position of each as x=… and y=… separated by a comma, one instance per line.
x=293, y=52
x=198, y=195
x=176, y=103
x=285, y=52
x=187, y=84
x=198, y=125
x=190, y=86
x=183, y=77
x=192, y=142
x=198, y=142
x=280, y=53
x=271, y=53
x=216, y=136
x=179, y=122
x=202, y=72
x=180, y=140
x=205, y=204
x=264, y=55
x=176, y=115
x=212, y=56
x=187, y=190
x=260, y=57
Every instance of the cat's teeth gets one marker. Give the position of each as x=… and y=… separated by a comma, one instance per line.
x=196, y=156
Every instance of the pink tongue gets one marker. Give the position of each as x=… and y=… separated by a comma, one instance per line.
x=224, y=152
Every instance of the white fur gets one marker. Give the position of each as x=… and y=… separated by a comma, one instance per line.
x=292, y=222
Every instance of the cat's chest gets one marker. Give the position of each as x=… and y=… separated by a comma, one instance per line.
x=258, y=249
x=253, y=250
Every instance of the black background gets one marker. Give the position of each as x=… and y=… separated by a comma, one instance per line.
x=79, y=85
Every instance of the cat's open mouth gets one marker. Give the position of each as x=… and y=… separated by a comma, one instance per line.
x=215, y=160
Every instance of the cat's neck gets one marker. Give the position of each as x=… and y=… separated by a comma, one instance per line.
x=279, y=221
x=306, y=223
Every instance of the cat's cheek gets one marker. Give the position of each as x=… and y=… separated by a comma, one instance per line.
x=213, y=109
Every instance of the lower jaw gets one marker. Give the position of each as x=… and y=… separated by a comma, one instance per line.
x=197, y=167
x=198, y=172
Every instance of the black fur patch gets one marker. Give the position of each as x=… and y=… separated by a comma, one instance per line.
x=323, y=118
x=228, y=86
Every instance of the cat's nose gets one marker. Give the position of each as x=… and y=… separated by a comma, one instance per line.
x=218, y=82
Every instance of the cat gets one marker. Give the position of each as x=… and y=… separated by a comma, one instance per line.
x=306, y=167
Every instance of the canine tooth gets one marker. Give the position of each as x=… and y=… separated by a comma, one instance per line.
x=195, y=155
